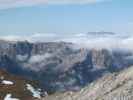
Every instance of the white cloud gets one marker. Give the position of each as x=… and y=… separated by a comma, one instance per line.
x=39, y=58
x=110, y=41
x=13, y=38
x=73, y=1
x=22, y=57
x=5, y=4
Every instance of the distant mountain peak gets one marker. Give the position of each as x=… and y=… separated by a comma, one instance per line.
x=101, y=33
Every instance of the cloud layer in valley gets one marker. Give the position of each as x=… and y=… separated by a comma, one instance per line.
x=110, y=41
x=5, y=4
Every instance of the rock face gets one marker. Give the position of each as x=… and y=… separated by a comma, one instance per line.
x=16, y=87
x=115, y=86
x=60, y=66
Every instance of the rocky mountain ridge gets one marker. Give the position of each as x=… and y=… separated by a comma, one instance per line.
x=113, y=86
x=60, y=66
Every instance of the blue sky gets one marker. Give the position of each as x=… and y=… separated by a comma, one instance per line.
x=64, y=18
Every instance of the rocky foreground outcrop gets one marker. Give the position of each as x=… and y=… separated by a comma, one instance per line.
x=115, y=86
x=17, y=88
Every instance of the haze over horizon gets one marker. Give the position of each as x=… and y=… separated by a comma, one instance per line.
x=26, y=17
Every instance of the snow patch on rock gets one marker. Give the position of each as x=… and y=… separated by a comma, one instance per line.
x=35, y=92
x=6, y=82
x=9, y=97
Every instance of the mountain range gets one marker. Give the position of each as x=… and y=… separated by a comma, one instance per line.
x=61, y=66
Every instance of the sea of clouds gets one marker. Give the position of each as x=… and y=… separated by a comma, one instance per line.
x=114, y=41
